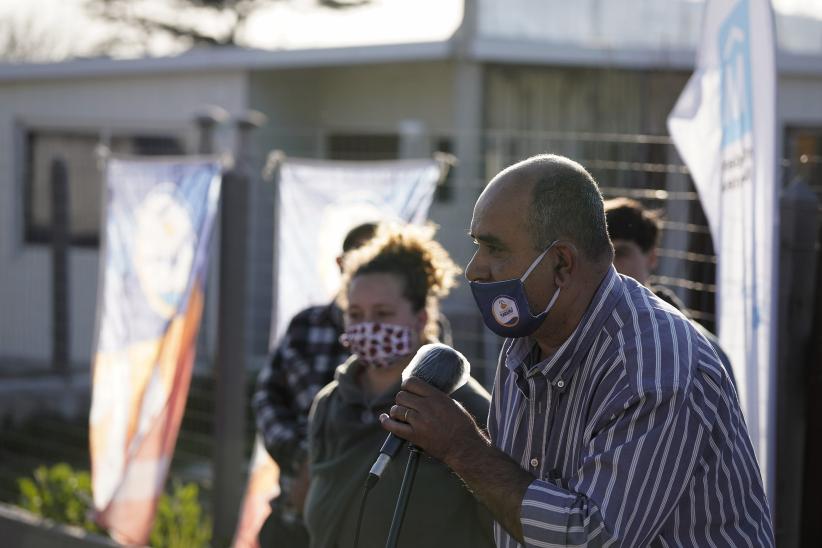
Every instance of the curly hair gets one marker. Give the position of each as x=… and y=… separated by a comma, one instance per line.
x=412, y=255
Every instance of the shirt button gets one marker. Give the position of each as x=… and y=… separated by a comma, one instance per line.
x=534, y=462
x=560, y=384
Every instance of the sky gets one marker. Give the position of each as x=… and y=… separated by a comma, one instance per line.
x=61, y=27
x=287, y=24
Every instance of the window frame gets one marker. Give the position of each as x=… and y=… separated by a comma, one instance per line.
x=30, y=235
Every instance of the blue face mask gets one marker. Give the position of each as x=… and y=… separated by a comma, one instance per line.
x=504, y=305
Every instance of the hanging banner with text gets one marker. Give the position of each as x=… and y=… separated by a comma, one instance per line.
x=158, y=223
x=724, y=128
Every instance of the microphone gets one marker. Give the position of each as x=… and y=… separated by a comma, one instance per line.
x=440, y=366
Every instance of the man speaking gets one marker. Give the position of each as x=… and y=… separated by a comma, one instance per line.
x=612, y=422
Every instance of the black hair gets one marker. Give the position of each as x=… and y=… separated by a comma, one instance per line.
x=629, y=220
x=565, y=204
x=358, y=235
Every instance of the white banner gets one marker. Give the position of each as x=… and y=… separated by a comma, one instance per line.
x=158, y=224
x=319, y=202
x=724, y=128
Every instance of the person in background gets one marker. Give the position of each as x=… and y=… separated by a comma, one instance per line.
x=303, y=362
x=391, y=292
x=635, y=233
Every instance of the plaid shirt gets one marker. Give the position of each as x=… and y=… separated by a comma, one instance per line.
x=302, y=364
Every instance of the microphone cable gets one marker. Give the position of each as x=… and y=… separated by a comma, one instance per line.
x=370, y=482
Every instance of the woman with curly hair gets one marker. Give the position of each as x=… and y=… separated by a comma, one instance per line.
x=390, y=298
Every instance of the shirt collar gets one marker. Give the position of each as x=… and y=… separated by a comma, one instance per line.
x=564, y=361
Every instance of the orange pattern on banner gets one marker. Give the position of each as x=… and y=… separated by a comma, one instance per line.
x=130, y=511
x=262, y=487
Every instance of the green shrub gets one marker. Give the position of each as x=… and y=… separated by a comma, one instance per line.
x=60, y=494
x=179, y=522
x=64, y=495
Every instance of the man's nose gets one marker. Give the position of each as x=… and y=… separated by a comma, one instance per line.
x=476, y=271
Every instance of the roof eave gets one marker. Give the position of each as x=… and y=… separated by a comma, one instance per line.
x=504, y=51
x=483, y=50
x=229, y=59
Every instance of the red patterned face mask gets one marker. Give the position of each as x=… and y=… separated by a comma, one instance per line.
x=377, y=344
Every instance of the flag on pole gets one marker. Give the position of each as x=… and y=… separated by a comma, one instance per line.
x=724, y=128
x=158, y=222
x=319, y=202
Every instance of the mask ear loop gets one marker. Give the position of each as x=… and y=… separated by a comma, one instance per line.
x=553, y=300
x=537, y=261
x=532, y=267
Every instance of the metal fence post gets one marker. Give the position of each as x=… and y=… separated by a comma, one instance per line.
x=60, y=241
x=232, y=343
x=799, y=211
x=206, y=121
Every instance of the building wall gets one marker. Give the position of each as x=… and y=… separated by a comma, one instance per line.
x=614, y=24
x=619, y=25
x=580, y=99
x=799, y=100
x=306, y=106
x=147, y=103
x=554, y=99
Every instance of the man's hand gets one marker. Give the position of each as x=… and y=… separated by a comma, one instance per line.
x=441, y=427
x=433, y=421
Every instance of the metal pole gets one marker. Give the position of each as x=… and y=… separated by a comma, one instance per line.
x=230, y=396
x=60, y=241
x=206, y=120
x=404, y=496
x=275, y=159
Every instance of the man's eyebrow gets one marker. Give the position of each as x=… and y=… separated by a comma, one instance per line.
x=488, y=239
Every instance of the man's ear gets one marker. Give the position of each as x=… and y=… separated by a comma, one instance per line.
x=340, y=263
x=567, y=260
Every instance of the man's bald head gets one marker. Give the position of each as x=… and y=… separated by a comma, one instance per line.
x=565, y=204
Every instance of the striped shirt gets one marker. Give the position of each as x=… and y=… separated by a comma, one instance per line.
x=632, y=430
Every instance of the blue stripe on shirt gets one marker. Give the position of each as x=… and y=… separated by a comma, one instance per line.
x=633, y=432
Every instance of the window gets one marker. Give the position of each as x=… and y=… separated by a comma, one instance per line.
x=85, y=179
x=803, y=150
x=363, y=147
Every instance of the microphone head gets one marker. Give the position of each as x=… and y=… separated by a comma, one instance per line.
x=440, y=366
